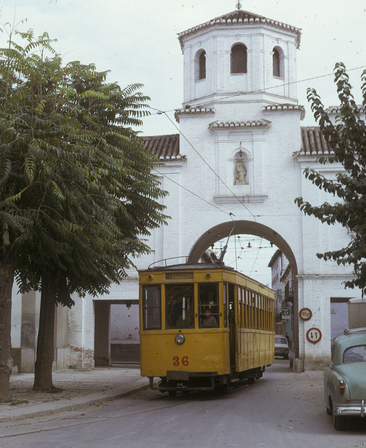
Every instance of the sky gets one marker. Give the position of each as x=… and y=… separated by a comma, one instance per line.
x=137, y=41
x=248, y=254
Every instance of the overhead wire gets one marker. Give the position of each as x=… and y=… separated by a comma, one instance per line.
x=160, y=112
x=209, y=166
x=217, y=175
x=191, y=192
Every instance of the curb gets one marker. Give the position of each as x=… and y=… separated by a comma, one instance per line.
x=85, y=401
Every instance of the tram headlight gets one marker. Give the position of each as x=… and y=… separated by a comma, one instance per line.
x=180, y=339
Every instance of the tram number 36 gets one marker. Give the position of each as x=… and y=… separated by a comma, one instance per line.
x=177, y=361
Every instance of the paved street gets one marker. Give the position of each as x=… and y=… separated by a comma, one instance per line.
x=283, y=409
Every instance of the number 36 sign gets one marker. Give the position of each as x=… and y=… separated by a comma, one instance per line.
x=314, y=335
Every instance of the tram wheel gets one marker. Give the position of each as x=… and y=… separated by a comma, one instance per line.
x=172, y=393
x=223, y=388
x=250, y=380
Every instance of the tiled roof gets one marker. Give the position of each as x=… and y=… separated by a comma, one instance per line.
x=164, y=147
x=238, y=124
x=313, y=142
x=242, y=18
x=193, y=110
x=337, y=109
x=284, y=107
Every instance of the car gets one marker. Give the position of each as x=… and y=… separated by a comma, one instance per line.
x=281, y=346
x=345, y=377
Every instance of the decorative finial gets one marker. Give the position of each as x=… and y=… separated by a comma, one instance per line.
x=238, y=5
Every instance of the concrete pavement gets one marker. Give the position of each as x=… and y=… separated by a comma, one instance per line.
x=77, y=389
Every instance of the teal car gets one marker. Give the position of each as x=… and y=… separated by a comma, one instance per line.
x=345, y=378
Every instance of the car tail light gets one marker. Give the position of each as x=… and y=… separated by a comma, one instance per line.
x=342, y=387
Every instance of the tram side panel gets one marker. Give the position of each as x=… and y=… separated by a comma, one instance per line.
x=257, y=350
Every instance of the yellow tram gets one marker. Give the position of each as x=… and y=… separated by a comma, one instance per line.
x=203, y=326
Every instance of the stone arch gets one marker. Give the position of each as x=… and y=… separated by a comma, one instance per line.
x=224, y=229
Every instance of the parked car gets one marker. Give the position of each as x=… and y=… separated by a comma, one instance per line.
x=345, y=377
x=281, y=346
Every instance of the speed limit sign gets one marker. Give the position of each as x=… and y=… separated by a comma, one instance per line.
x=314, y=335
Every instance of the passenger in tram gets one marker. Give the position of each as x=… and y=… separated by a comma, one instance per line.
x=208, y=321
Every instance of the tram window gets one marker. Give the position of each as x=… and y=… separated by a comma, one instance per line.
x=240, y=311
x=252, y=310
x=260, y=311
x=151, y=308
x=245, y=310
x=179, y=306
x=225, y=305
x=231, y=304
x=208, y=305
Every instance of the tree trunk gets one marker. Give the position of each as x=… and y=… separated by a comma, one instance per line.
x=45, y=344
x=6, y=286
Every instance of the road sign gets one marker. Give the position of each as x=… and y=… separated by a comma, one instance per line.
x=314, y=335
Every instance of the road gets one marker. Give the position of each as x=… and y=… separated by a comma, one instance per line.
x=280, y=410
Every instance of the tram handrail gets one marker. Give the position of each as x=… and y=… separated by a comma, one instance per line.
x=165, y=260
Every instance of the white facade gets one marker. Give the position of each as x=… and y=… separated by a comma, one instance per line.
x=227, y=119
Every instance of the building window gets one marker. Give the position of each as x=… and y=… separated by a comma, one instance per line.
x=277, y=57
x=239, y=58
x=200, y=65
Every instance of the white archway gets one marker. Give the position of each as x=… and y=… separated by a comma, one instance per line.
x=227, y=228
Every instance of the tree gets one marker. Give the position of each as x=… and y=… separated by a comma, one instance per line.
x=86, y=195
x=347, y=142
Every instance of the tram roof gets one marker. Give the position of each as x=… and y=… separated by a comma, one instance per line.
x=188, y=266
x=198, y=267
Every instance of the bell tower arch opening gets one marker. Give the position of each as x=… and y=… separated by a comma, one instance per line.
x=242, y=227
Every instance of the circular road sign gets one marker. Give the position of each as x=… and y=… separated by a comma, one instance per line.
x=314, y=335
x=305, y=314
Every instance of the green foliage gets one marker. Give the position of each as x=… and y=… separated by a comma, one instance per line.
x=77, y=193
x=347, y=140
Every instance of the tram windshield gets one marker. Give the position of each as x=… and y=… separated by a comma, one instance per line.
x=179, y=306
x=208, y=305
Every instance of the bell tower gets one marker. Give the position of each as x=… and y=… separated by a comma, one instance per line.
x=240, y=103
x=240, y=57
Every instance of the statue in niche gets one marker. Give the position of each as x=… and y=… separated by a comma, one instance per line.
x=241, y=171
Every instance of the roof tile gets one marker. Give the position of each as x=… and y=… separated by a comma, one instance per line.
x=240, y=17
x=313, y=142
x=165, y=147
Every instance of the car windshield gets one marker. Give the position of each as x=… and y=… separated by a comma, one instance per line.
x=354, y=354
x=280, y=341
